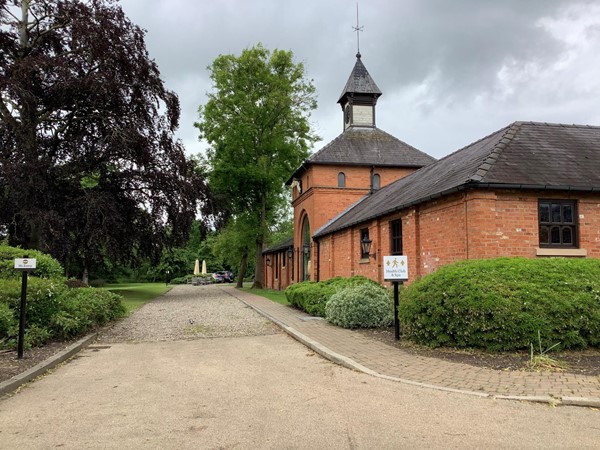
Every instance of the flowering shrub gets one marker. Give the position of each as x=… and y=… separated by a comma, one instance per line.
x=500, y=304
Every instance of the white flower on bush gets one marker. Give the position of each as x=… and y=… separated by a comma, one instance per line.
x=361, y=306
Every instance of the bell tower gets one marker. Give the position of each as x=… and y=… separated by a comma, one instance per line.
x=360, y=94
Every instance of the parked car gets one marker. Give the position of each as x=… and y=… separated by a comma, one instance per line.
x=222, y=276
x=217, y=277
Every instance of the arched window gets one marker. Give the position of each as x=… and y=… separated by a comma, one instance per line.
x=376, y=181
x=306, y=265
x=341, y=180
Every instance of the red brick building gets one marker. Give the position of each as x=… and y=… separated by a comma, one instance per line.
x=529, y=189
x=361, y=160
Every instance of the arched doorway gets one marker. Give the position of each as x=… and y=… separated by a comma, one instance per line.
x=306, y=265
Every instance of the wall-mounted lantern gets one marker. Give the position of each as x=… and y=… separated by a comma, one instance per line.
x=290, y=252
x=268, y=261
x=365, y=247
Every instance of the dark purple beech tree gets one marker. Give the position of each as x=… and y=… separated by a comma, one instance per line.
x=89, y=166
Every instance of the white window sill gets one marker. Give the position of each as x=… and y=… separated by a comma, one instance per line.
x=364, y=260
x=577, y=252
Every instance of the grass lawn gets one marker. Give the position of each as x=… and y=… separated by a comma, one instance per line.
x=136, y=294
x=271, y=294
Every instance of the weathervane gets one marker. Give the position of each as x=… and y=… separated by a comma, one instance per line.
x=358, y=29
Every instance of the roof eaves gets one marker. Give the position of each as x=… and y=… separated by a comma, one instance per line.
x=281, y=245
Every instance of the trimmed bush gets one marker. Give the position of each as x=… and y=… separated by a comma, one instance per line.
x=8, y=322
x=500, y=304
x=82, y=309
x=360, y=306
x=312, y=297
x=54, y=311
x=46, y=266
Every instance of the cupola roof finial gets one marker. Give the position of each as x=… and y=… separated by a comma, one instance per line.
x=358, y=29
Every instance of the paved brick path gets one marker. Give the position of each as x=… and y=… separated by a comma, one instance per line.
x=359, y=352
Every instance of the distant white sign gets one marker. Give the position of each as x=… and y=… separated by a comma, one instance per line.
x=395, y=268
x=25, y=263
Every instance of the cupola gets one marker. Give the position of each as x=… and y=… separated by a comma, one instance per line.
x=359, y=97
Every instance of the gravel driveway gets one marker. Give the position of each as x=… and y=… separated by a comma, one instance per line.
x=189, y=312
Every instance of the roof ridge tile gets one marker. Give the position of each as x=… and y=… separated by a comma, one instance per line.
x=490, y=160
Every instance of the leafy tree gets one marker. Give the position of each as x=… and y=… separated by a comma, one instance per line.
x=235, y=242
x=256, y=121
x=89, y=167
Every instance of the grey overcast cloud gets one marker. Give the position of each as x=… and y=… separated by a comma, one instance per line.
x=451, y=71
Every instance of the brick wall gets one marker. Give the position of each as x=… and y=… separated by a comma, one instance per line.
x=281, y=278
x=468, y=225
x=321, y=200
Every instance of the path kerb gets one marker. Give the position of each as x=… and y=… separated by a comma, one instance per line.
x=50, y=363
x=356, y=352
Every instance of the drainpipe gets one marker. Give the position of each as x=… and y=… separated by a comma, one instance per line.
x=317, y=261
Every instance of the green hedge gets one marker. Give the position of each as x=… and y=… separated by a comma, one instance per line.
x=361, y=306
x=500, y=304
x=46, y=266
x=312, y=296
x=54, y=311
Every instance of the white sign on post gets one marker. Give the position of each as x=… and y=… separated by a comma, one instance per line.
x=395, y=268
x=25, y=263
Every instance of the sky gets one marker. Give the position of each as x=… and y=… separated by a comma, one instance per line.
x=451, y=71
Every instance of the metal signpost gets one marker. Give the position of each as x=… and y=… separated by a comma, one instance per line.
x=24, y=265
x=395, y=269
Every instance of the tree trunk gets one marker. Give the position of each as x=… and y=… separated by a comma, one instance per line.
x=260, y=240
x=242, y=271
x=85, y=278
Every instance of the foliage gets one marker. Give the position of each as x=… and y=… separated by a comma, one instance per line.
x=256, y=122
x=360, y=306
x=181, y=280
x=54, y=311
x=234, y=244
x=75, y=283
x=543, y=361
x=312, y=296
x=8, y=322
x=500, y=304
x=46, y=266
x=86, y=116
x=83, y=309
x=134, y=295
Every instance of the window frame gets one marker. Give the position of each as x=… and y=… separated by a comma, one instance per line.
x=396, y=239
x=376, y=185
x=561, y=225
x=341, y=180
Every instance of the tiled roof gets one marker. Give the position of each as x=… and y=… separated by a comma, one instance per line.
x=524, y=155
x=281, y=245
x=370, y=146
x=367, y=147
x=360, y=82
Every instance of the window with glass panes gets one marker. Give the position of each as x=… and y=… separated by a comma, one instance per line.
x=557, y=223
x=396, y=237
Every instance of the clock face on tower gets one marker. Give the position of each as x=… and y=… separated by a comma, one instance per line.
x=347, y=114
